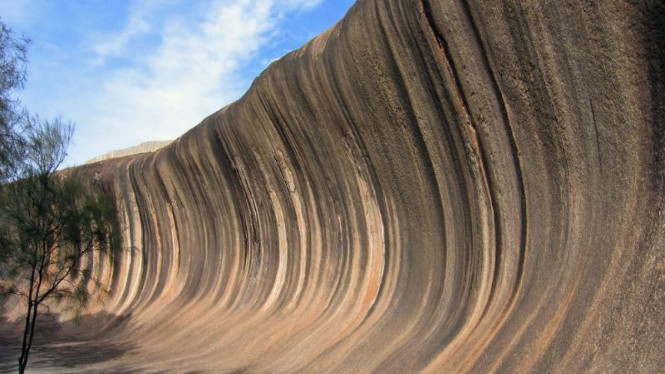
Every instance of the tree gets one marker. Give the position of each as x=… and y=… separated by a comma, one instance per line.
x=52, y=223
x=13, y=52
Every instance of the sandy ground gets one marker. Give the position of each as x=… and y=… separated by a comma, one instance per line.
x=68, y=348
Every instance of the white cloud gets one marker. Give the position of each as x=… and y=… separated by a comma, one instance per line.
x=193, y=71
x=300, y=4
x=18, y=12
x=116, y=44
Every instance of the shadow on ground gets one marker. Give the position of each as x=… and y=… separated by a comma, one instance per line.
x=63, y=347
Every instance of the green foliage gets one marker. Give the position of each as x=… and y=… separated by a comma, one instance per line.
x=51, y=224
x=13, y=59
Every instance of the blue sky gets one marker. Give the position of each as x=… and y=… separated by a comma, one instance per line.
x=138, y=70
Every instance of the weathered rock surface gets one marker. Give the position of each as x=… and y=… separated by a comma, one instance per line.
x=429, y=186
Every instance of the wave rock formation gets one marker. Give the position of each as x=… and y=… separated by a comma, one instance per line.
x=432, y=186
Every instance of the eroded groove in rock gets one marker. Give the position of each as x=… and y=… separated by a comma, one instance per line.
x=430, y=185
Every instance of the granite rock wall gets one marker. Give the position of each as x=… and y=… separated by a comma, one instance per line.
x=429, y=186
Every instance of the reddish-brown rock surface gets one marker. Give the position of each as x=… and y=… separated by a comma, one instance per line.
x=429, y=186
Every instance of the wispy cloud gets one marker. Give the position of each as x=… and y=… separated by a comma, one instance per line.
x=137, y=24
x=18, y=11
x=191, y=69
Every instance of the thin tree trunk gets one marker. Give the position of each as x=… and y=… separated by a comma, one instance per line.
x=32, y=333
x=27, y=344
x=21, y=365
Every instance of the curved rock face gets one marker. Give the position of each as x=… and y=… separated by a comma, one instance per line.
x=429, y=186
